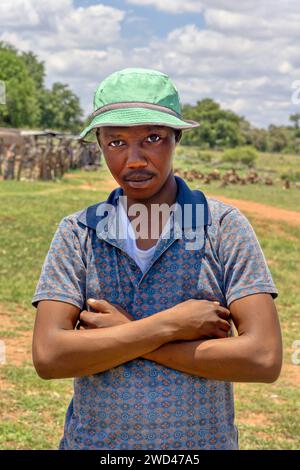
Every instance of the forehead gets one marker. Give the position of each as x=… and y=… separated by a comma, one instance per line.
x=114, y=131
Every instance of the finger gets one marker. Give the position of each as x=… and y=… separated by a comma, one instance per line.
x=224, y=325
x=92, y=319
x=86, y=326
x=99, y=305
x=219, y=307
x=223, y=312
x=86, y=316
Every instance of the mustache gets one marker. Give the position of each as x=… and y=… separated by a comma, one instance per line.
x=138, y=174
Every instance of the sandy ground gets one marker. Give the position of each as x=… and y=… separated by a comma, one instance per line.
x=263, y=210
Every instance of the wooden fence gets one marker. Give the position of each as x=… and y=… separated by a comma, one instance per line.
x=49, y=158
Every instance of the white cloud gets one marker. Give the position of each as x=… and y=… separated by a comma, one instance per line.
x=246, y=56
x=258, y=24
x=197, y=6
x=191, y=40
x=32, y=14
x=61, y=25
x=96, y=26
x=171, y=6
x=18, y=14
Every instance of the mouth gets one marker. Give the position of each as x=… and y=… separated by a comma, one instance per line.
x=139, y=181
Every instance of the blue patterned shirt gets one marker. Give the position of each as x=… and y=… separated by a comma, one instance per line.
x=141, y=404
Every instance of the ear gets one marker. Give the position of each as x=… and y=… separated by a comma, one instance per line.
x=98, y=137
x=178, y=135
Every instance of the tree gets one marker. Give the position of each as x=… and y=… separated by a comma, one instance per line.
x=60, y=108
x=227, y=133
x=278, y=138
x=218, y=127
x=29, y=103
x=35, y=68
x=22, y=107
x=295, y=118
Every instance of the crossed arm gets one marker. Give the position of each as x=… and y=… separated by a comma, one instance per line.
x=255, y=355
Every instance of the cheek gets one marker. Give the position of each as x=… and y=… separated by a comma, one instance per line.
x=163, y=160
x=114, y=163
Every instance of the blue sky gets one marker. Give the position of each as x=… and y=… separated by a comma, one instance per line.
x=143, y=22
x=234, y=52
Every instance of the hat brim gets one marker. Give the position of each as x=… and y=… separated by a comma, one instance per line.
x=128, y=117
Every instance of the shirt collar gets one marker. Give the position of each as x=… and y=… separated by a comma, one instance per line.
x=187, y=198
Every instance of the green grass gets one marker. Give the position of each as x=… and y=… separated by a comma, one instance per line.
x=282, y=428
x=27, y=228
x=35, y=415
x=33, y=410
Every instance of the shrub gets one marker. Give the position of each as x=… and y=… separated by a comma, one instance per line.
x=293, y=176
x=204, y=156
x=180, y=151
x=246, y=155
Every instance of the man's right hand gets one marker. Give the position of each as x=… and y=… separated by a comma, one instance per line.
x=199, y=319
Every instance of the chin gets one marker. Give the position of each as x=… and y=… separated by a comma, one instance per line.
x=140, y=194
x=141, y=190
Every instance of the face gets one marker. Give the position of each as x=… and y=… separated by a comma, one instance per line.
x=139, y=157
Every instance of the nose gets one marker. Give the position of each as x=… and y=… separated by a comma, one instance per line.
x=135, y=156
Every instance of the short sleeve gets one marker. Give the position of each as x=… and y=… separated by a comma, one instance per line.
x=245, y=268
x=63, y=275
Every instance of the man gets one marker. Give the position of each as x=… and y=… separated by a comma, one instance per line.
x=154, y=357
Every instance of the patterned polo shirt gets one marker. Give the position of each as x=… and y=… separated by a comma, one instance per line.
x=141, y=404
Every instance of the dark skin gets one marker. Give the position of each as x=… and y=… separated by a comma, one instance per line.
x=141, y=152
x=196, y=339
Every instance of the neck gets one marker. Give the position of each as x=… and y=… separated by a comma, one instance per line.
x=166, y=195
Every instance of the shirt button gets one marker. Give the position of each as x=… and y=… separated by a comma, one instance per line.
x=134, y=267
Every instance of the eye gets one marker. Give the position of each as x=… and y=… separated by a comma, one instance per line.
x=153, y=138
x=116, y=143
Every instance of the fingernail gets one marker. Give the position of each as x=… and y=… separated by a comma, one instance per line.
x=92, y=301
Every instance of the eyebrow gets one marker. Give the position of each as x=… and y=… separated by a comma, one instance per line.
x=117, y=136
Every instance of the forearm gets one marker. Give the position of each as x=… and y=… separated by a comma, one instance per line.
x=76, y=353
x=233, y=359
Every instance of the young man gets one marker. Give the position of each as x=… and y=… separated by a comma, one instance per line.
x=154, y=357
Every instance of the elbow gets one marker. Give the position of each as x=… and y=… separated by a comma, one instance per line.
x=270, y=366
x=43, y=364
x=273, y=372
x=42, y=371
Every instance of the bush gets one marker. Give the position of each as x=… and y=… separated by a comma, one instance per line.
x=180, y=151
x=204, y=156
x=293, y=176
x=246, y=155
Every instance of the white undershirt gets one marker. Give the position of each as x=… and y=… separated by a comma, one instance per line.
x=141, y=257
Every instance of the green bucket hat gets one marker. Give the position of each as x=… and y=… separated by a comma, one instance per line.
x=136, y=96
